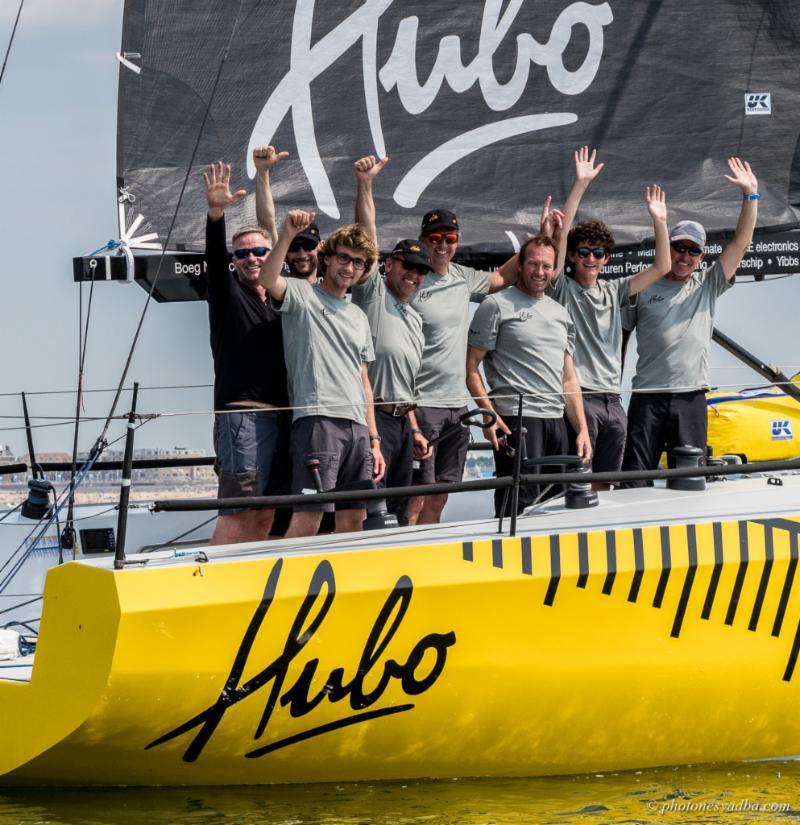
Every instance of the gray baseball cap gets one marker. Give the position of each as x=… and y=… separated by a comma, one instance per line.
x=689, y=231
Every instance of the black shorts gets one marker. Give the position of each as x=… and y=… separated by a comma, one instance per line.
x=543, y=436
x=397, y=447
x=449, y=456
x=661, y=421
x=607, y=425
x=342, y=448
x=246, y=444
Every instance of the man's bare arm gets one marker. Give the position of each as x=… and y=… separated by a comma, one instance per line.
x=573, y=407
x=378, y=462
x=586, y=170
x=662, y=263
x=270, y=277
x=365, y=170
x=743, y=177
x=478, y=392
x=265, y=157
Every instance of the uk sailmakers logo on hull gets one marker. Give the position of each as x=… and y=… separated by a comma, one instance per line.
x=781, y=429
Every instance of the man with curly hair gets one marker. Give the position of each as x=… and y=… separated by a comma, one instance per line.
x=327, y=346
x=596, y=306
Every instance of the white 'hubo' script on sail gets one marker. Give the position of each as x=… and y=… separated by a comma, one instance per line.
x=307, y=62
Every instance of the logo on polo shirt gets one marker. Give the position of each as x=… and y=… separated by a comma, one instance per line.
x=424, y=295
x=781, y=430
x=525, y=315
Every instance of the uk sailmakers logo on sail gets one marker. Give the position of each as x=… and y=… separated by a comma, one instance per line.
x=292, y=94
x=418, y=672
x=781, y=430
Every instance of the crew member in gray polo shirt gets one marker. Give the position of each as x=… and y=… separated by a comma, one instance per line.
x=525, y=341
x=397, y=338
x=596, y=306
x=327, y=346
x=675, y=320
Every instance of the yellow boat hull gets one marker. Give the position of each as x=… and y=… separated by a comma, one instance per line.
x=574, y=652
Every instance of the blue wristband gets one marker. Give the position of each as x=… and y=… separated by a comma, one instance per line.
x=754, y=197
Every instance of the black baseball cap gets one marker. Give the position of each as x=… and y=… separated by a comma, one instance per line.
x=311, y=233
x=439, y=219
x=412, y=252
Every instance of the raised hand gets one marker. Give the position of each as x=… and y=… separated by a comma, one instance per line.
x=296, y=221
x=585, y=169
x=266, y=156
x=552, y=220
x=656, y=202
x=742, y=176
x=218, y=189
x=367, y=167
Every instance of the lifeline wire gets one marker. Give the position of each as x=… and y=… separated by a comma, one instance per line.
x=11, y=39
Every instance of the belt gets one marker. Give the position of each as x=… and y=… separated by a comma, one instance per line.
x=396, y=410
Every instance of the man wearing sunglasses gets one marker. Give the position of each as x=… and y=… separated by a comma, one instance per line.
x=596, y=306
x=397, y=338
x=328, y=344
x=675, y=321
x=246, y=343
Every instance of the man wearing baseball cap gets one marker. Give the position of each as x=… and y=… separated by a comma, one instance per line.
x=397, y=340
x=443, y=302
x=675, y=320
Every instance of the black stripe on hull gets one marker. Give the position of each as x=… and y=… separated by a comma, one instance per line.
x=740, y=574
x=527, y=557
x=583, y=559
x=638, y=554
x=769, y=558
x=666, y=566
x=497, y=553
x=787, y=585
x=716, y=573
x=555, y=570
x=691, y=540
x=611, y=562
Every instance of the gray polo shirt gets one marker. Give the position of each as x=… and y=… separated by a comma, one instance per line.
x=525, y=340
x=396, y=337
x=325, y=340
x=443, y=303
x=674, y=323
x=596, y=312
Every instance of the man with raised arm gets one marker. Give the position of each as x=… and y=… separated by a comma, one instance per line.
x=301, y=258
x=397, y=339
x=596, y=306
x=328, y=345
x=675, y=320
x=525, y=341
x=249, y=370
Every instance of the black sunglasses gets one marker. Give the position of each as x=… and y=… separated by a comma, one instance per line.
x=409, y=267
x=258, y=251
x=680, y=248
x=597, y=252
x=303, y=243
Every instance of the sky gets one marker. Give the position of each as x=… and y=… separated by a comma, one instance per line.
x=57, y=140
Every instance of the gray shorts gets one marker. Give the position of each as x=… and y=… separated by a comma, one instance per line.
x=449, y=456
x=342, y=448
x=607, y=425
x=245, y=444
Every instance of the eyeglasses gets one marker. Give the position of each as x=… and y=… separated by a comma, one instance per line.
x=409, y=267
x=258, y=251
x=448, y=237
x=680, y=248
x=597, y=252
x=358, y=263
x=305, y=244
